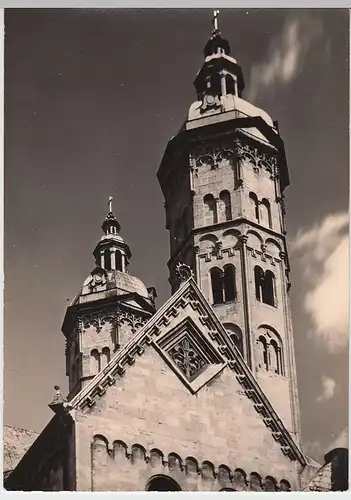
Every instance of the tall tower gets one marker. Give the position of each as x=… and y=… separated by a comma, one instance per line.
x=223, y=177
x=111, y=306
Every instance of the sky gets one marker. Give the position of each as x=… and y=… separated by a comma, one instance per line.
x=91, y=99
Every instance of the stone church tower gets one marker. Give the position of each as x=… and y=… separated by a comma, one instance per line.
x=201, y=394
x=223, y=178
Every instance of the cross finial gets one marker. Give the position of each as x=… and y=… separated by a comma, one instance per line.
x=110, y=203
x=215, y=20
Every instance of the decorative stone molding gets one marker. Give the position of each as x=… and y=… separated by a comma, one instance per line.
x=219, y=478
x=212, y=155
x=191, y=294
x=115, y=315
x=257, y=158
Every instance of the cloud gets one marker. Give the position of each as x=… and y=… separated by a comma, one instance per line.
x=324, y=253
x=342, y=440
x=285, y=56
x=329, y=385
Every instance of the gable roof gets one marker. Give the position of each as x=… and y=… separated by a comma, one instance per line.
x=190, y=293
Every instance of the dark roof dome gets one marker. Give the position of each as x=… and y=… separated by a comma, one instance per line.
x=216, y=42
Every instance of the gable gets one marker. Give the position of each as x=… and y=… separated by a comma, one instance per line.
x=217, y=425
x=188, y=304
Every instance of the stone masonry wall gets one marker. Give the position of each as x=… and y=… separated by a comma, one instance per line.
x=151, y=407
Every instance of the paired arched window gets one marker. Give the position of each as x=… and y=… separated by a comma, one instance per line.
x=162, y=483
x=270, y=353
x=223, y=283
x=264, y=286
x=260, y=211
x=235, y=335
x=254, y=203
x=224, y=206
x=98, y=360
x=266, y=218
x=210, y=210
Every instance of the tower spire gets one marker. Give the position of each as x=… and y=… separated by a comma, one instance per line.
x=110, y=198
x=215, y=22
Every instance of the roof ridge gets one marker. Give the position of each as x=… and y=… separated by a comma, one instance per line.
x=85, y=391
x=235, y=361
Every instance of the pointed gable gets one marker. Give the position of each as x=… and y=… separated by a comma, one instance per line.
x=188, y=316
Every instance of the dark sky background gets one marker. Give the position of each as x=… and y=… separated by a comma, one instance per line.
x=91, y=99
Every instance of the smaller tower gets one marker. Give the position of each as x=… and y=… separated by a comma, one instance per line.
x=112, y=253
x=110, y=308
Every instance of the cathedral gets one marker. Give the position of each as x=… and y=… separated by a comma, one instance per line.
x=200, y=394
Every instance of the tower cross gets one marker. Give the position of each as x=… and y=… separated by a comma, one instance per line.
x=110, y=203
x=215, y=20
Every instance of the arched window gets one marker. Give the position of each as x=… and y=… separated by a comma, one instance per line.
x=262, y=352
x=266, y=218
x=264, y=286
x=210, y=210
x=94, y=362
x=225, y=208
x=107, y=259
x=229, y=283
x=162, y=483
x=230, y=84
x=275, y=362
x=105, y=357
x=254, y=212
x=259, y=275
x=235, y=335
x=269, y=351
x=216, y=283
x=118, y=261
x=268, y=288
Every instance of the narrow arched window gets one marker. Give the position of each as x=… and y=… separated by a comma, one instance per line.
x=259, y=275
x=263, y=353
x=107, y=259
x=229, y=283
x=268, y=286
x=118, y=261
x=210, y=210
x=273, y=357
x=254, y=212
x=105, y=357
x=230, y=84
x=216, y=284
x=225, y=208
x=266, y=218
x=235, y=335
x=94, y=362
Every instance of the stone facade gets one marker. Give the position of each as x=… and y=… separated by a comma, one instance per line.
x=200, y=395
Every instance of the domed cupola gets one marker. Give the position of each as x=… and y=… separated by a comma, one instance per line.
x=112, y=253
x=221, y=74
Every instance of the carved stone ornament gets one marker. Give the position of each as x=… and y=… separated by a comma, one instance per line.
x=210, y=102
x=183, y=272
x=187, y=358
x=212, y=155
x=255, y=157
x=114, y=315
x=98, y=278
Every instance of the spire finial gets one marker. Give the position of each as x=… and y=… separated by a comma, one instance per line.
x=215, y=21
x=110, y=204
